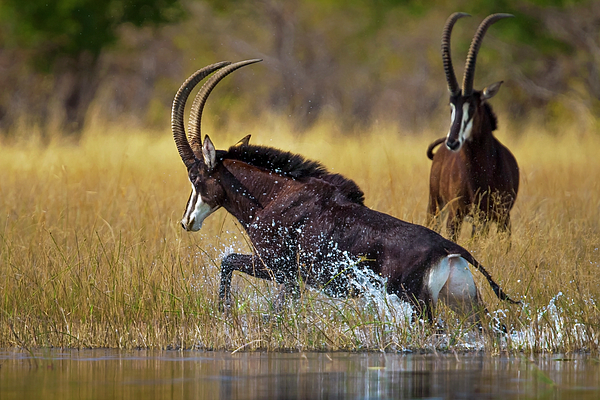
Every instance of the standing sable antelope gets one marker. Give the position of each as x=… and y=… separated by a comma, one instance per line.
x=473, y=173
x=306, y=223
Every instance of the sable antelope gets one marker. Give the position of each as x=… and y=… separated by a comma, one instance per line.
x=306, y=223
x=473, y=173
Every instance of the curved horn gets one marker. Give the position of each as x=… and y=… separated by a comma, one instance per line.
x=446, y=57
x=474, y=49
x=183, y=146
x=200, y=101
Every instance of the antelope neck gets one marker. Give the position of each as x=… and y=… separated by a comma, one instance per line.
x=249, y=189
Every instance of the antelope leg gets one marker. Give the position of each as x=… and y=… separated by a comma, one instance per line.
x=245, y=263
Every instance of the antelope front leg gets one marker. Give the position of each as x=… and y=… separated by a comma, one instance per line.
x=504, y=224
x=433, y=218
x=505, y=228
x=454, y=223
x=245, y=263
x=289, y=287
x=481, y=229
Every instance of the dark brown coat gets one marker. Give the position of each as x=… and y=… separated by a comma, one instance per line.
x=473, y=173
x=307, y=224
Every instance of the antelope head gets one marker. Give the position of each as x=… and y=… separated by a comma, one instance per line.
x=200, y=158
x=467, y=105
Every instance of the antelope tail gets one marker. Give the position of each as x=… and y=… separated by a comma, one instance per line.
x=433, y=146
x=495, y=287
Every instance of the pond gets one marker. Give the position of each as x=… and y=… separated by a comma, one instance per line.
x=140, y=374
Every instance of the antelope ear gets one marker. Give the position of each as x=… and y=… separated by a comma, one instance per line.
x=209, y=153
x=491, y=90
x=243, y=142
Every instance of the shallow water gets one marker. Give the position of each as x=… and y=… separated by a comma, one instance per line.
x=113, y=374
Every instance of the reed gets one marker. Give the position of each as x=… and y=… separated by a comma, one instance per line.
x=92, y=254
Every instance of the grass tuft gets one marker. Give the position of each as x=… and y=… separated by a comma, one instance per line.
x=92, y=255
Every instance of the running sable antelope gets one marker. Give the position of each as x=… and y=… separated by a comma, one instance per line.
x=473, y=173
x=306, y=223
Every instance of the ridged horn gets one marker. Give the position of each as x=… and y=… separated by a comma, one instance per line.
x=200, y=101
x=177, y=126
x=453, y=87
x=474, y=49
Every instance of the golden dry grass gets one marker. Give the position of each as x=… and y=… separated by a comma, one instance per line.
x=92, y=254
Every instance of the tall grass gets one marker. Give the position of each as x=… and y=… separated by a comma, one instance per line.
x=92, y=254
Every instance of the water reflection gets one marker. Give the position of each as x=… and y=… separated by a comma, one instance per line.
x=111, y=374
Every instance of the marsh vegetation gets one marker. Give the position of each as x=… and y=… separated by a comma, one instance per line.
x=92, y=254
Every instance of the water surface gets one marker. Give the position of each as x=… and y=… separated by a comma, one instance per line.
x=113, y=374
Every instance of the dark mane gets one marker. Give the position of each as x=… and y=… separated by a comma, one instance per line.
x=294, y=166
x=492, y=117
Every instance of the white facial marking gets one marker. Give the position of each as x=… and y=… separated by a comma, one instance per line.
x=196, y=212
x=452, y=117
x=467, y=124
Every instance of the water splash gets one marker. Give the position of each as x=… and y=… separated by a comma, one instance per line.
x=376, y=319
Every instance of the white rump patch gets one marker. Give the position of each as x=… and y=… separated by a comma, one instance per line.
x=451, y=280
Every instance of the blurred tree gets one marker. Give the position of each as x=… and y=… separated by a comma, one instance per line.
x=359, y=59
x=67, y=37
x=355, y=62
x=316, y=49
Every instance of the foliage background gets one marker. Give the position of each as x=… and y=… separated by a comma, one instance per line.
x=358, y=63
